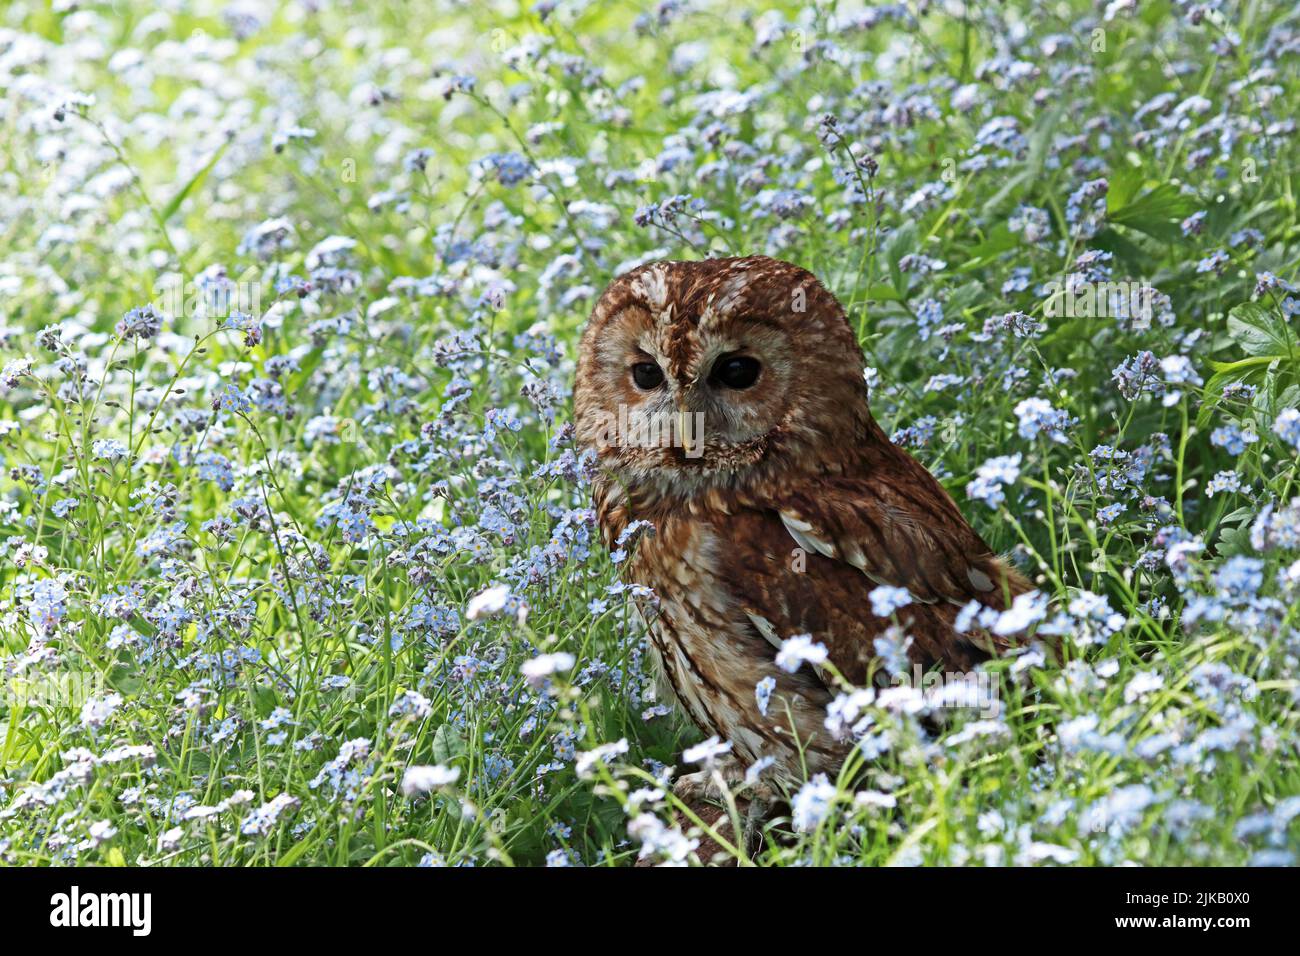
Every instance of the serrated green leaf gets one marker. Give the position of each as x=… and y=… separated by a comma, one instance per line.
x=1156, y=212
x=1233, y=541
x=1124, y=185
x=1260, y=332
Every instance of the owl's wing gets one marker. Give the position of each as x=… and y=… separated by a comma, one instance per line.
x=900, y=529
x=897, y=527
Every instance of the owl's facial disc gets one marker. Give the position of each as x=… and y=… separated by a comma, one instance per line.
x=686, y=398
x=697, y=374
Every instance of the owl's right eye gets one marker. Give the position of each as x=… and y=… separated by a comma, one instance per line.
x=647, y=375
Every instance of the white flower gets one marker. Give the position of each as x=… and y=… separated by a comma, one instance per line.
x=1287, y=426
x=169, y=840
x=1031, y=658
x=1073, y=731
x=264, y=819
x=95, y=712
x=201, y=812
x=979, y=728
x=991, y=476
x=101, y=831
x=1038, y=852
x=410, y=703
x=756, y=769
x=875, y=799
x=1141, y=685
x=600, y=754
x=973, y=612
x=885, y=600
x=643, y=795
x=798, y=650
x=329, y=250
x=488, y=603
x=812, y=803
x=843, y=712
x=1037, y=417
x=423, y=778
x=902, y=699
x=1025, y=610
x=656, y=839
x=706, y=752
x=536, y=671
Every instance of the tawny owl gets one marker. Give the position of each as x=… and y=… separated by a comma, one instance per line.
x=727, y=405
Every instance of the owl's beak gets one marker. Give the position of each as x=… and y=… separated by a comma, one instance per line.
x=686, y=433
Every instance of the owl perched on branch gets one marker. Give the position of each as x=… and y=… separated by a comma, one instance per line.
x=727, y=406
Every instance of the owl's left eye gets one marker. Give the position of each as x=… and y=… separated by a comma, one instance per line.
x=647, y=375
x=736, y=371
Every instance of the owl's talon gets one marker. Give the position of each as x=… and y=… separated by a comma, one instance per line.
x=709, y=783
x=756, y=814
x=754, y=800
x=700, y=785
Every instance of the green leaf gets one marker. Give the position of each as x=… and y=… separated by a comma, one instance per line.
x=1128, y=252
x=265, y=699
x=1259, y=331
x=1227, y=373
x=882, y=293
x=295, y=851
x=1233, y=541
x=1011, y=186
x=1243, y=364
x=899, y=243
x=306, y=366
x=1040, y=140
x=1124, y=185
x=447, y=744
x=1241, y=514
x=169, y=210
x=998, y=241
x=964, y=297
x=1157, y=212
x=1064, y=330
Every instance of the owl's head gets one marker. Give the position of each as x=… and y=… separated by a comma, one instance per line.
x=694, y=375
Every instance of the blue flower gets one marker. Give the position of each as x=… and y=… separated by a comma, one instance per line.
x=1231, y=438
x=1240, y=577
x=1038, y=417
x=990, y=478
x=1287, y=427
